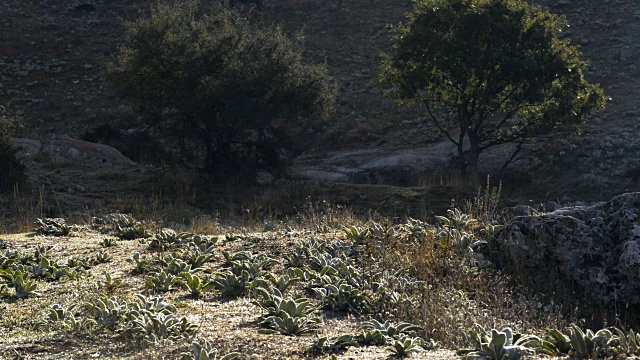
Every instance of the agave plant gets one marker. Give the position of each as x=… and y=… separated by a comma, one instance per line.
x=499, y=345
x=159, y=326
x=24, y=287
x=336, y=344
x=102, y=257
x=161, y=281
x=372, y=337
x=42, y=268
x=194, y=284
x=282, y=283
x=231, y=285
x=628, y=344
x=289, y=325
x=109, y=285
x=287, y=316
x=75, y=262
x=109, y=242
x=389, y=329
x=356, y=234
x=127, y=228
x=4, y=291
x=175, y=265
x=55, y=227
x=456, y=219
x=344, y=297
x=58, y=313
x=195, y=258
x=405, y=345
x=107, y=312
x=583, y=344
x=203, y=350
x=141, y=263
x=168, y=239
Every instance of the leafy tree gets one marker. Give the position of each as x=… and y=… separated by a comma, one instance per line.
x=496, y=71
x=227, y=89
x=11, y=170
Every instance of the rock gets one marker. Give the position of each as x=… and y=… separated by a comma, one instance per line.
x=78, y=153
x=389, y=165
x=550, y=206
x=27, y=147
x=264, y=178
x=594, y=249
x=521, y=210
x=319, y=175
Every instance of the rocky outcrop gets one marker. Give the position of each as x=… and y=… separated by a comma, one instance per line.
x=594, y=250
x=65, y=151
x=389, y=165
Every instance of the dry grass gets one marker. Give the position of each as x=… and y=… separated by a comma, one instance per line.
x=455, y=296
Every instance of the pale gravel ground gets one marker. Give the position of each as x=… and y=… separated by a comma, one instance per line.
x=229, y=325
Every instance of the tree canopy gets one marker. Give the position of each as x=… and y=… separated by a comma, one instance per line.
x=228, y=89
x=496, y=71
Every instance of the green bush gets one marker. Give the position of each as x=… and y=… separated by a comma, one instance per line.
x=11, y=170
x=224, y=90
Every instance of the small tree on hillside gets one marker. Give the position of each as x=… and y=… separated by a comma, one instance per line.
x=497, y=71
x=229, y=90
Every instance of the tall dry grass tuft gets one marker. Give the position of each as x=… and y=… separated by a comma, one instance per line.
x=485, y=206
x=324, y=216
x=23, y=210
x=456, y=291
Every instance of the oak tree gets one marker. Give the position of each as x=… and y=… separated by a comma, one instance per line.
x=496, y=71
x=228, y=89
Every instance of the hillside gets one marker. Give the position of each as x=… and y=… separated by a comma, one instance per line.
x=53, y=56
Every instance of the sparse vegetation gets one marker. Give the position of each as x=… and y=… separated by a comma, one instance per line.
x=217, y=88
x=402, y=289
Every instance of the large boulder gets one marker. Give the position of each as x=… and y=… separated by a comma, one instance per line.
x=393, y=165
x=65, y=151
x=592, y=252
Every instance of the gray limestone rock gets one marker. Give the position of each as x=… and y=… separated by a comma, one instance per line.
x=72, y=152
x=594, y=249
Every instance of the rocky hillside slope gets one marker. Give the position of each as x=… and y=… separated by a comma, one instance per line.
x=53, y=55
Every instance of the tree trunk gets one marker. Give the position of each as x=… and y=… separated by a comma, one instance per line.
x=474, y=155
x=461, y=161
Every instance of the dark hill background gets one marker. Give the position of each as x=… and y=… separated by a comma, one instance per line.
x=53, y=55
